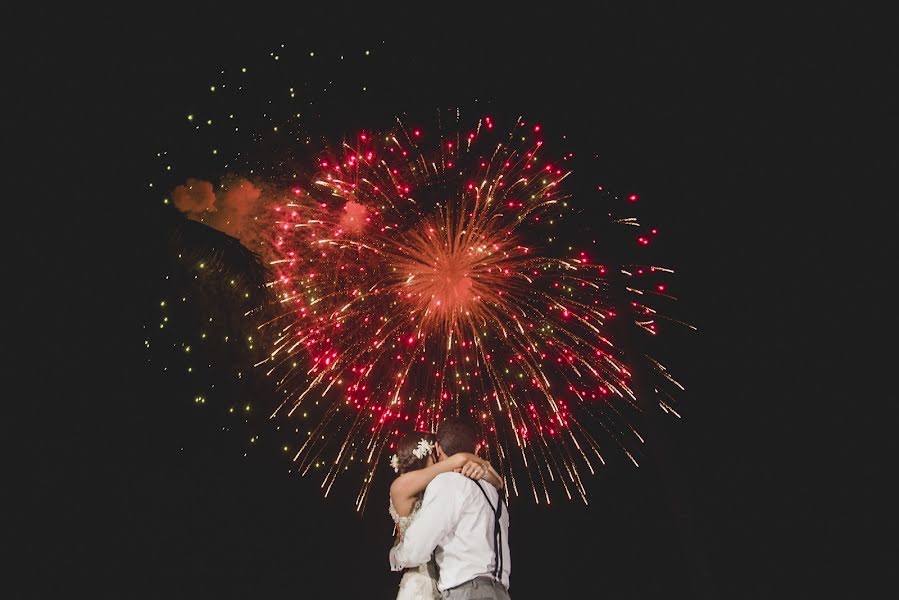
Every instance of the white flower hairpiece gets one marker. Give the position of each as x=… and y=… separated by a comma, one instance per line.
x=395, y=463
x=423, y=449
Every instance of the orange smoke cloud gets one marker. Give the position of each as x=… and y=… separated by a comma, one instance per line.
x=234, y=210
x=236, y=207
x=194, y=198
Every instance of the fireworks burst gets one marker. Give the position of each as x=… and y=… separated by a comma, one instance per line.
x=413, y=283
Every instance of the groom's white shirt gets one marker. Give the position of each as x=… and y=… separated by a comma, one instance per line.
x=456, y=520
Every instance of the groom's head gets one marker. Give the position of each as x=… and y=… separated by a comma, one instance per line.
x=454, y=435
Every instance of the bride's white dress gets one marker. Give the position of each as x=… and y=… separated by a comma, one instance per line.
x=419, y=583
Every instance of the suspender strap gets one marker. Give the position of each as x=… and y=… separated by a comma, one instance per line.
x=497, y=531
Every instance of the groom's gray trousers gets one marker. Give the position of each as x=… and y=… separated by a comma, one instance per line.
x=479, y=588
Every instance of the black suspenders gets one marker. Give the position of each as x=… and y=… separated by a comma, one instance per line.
x=497, y=531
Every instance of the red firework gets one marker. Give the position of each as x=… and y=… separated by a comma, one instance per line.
x=413, y=286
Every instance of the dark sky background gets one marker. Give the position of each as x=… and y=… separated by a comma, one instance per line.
x=753, y=138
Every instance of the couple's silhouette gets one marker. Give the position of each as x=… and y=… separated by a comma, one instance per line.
x=451, y=520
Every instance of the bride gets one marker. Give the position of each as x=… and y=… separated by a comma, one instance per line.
x=416, y=462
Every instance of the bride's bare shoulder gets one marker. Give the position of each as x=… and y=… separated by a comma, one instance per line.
x=401, y=506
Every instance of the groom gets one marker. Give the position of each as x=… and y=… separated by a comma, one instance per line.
x=465, y=521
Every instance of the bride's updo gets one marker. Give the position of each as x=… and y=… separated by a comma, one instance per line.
x=411, y=454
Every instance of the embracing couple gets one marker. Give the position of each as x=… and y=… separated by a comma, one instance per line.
x=451, y=520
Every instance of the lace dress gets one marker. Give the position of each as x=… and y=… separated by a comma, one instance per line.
x=418, y=583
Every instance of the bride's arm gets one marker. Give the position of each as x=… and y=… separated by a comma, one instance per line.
x=494, y=478
x=412, y=483
x=478, y=468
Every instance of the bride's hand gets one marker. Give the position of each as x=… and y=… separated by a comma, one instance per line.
x=458, y=460
x=473, y=469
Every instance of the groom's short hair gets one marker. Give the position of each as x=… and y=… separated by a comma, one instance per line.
x=457, y=434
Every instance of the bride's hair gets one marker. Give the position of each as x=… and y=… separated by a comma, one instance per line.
x=405, y=455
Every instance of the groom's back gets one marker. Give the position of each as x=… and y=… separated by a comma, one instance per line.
x=471, y=549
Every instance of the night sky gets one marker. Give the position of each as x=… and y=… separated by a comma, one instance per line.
x=752, y=140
